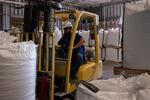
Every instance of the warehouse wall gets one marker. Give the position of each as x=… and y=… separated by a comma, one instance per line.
x=136, y=40
x=8, y=13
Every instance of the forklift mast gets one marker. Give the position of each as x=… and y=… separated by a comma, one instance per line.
x=41, y=11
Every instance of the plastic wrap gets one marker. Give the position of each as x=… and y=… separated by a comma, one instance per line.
x=17, y=71
x=138, y=7
x=143, y=94
x=133, y=88
x=109, y=90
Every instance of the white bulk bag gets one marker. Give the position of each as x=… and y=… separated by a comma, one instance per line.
x=90, y=51
x=114, y=37
x=105, y=38
x=86, y=36
x=113, y=54
x=83, y=94
x=57, y=35
x=133, y=88
x=101, y=32
x=137, y=83
x=108, y=90
x=137, y=7
x=102, y=53
x=143, y=94
x=6, y=38
x=18, y=71
x=18, y=33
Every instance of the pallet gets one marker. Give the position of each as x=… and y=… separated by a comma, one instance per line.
x=119, y=70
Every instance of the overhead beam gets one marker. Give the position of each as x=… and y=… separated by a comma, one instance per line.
x=117, y=2
x=12, y=2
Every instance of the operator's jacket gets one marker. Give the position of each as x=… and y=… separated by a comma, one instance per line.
x=65, y=40
x=77, y=55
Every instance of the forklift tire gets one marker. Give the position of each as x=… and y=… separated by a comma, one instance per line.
x=68, y=97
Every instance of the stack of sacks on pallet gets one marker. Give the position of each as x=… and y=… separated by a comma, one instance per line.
x=112, y=42
x=134, y=88
x=17, y=69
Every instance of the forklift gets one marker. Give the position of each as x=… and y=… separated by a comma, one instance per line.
x=88, y=71
x=53, y=73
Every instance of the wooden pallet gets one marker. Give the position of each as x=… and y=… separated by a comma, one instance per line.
x=119, y=70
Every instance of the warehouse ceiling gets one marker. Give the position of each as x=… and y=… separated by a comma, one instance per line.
x=84, y=3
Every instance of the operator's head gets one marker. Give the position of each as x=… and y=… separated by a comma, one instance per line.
x=67, y=26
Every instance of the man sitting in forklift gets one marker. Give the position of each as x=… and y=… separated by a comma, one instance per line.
x=78, y=56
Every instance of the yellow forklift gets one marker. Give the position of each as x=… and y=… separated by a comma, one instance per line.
x=50, y=68
x=88, y=71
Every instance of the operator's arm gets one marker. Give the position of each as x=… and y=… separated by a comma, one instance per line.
x=81, y=42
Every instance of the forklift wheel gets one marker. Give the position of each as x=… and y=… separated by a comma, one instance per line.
x=68, y=97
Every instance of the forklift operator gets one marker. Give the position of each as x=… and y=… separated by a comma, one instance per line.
x=78, y=49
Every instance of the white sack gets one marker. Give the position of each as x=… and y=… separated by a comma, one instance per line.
x=109, y=90
x=105, y=38
x=6, y=38
x=113, y=54
x=114, y=37
x=90, y=51
x=143, y=94
x=18, y=71
x=102, y=53
x=134, y=88
x=86, y=36
x=82, y=94
x=18, y=33
x=101, y=32
x=137, y=83
x=138, y=7
x=57, y=35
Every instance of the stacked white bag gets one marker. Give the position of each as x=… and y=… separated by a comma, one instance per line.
x=6, y=38
x=105, y=37
x=17, y=69
x=114, y=37
x=113, y=54
x=18, y=33
x=86, y=36
x=101, y=35
x=134, y=88
x=112, y=42
x=57, y=35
